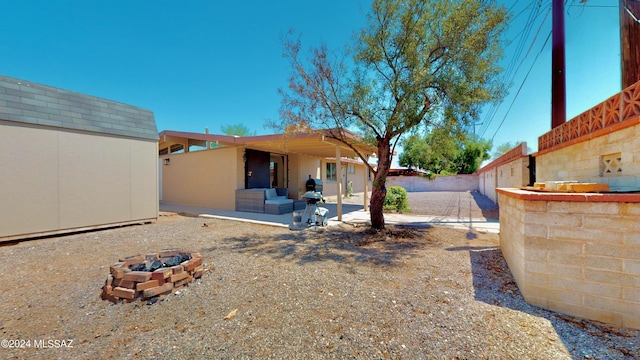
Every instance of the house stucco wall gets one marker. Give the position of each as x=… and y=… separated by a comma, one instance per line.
x=307, y=165
x=357, y=178
x=205, y=178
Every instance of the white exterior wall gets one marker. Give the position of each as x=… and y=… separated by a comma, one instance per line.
x=439, y=183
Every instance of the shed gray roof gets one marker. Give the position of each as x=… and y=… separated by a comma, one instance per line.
x=27, y=102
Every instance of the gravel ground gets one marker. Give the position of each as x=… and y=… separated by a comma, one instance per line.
x=450, y=204
x=453, y=204
x=342, y=292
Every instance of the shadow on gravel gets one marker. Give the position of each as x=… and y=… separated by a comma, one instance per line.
x=343, y=245
x=494, y=285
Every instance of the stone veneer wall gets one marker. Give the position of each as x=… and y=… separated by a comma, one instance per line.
x=577, y=254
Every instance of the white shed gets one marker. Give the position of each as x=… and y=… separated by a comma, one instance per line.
x=71, y=162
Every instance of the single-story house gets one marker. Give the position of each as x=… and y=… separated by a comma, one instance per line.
x=73, y=162
x=210, y=177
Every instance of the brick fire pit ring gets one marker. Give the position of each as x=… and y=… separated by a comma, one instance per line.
x=145, y=277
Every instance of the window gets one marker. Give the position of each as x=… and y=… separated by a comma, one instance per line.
x=351, y=169
x=331, y=171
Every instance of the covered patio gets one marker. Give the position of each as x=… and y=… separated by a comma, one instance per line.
x=292, y=157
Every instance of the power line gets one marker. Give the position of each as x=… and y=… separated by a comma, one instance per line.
x=521, y=85
x=509, y=73
x=629, y=11
x=493, y=111
x=494, y=108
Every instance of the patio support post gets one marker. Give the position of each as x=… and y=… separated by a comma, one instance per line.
x=339, y=180
x=366, y=188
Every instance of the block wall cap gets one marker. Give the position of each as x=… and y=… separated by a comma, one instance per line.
x=571, y=197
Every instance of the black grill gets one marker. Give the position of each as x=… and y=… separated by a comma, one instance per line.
x=312, y=197
x=314, y=185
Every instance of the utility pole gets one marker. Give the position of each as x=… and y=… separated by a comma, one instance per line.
x=474, y=130
x=558, y=78
x=630, y=41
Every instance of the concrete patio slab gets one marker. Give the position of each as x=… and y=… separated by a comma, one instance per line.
x=352, y=214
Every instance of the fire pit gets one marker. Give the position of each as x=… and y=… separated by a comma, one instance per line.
x=151, y=275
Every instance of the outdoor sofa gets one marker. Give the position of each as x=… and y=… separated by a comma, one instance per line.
x=269, y=201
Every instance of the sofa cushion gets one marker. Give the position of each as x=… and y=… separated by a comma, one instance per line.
x=279, y=201
x=270, y=193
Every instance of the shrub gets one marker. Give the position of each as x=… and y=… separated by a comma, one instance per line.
x=396, y=199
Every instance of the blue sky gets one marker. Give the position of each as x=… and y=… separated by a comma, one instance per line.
x=200, y=64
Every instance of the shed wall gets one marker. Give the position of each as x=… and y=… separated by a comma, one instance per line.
x=57, y=180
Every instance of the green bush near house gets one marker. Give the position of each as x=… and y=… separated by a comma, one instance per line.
x=396, y=199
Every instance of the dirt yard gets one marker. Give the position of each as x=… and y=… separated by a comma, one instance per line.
x=343, y=292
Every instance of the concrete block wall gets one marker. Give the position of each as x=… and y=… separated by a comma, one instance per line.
x=509, y=170
x=488, y=182
x=514, y=173
x=578, y=254
x=583, y=161
x=467, y=182
x=582, y=148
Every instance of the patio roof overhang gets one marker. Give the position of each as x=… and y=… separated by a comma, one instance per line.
x=318, y=144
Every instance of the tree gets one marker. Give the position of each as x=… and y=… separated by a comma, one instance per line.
x=472, y=154
x=413, y=60
x=237, y=129
x=436, y=152
x=443, y=152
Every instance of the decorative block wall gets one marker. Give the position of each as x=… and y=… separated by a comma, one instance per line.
x=582, y=148
x=577, y=254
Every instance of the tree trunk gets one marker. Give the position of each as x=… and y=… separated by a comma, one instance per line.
x=379, y=191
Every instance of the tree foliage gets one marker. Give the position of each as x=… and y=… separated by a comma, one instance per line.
x=441, y=152
x=413, y=60
x=472, y=154
x=237, y=129
x=396, y=199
